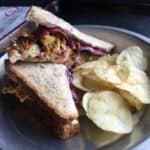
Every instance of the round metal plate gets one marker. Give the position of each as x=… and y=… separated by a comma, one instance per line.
x=20, y=131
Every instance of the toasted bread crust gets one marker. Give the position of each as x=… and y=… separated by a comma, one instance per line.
x=47, y=19
x=58, y=111
x=66, y=131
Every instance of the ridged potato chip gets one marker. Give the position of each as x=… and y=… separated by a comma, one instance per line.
x=85, y=100
x=85, y=78
x=132, y=101
x=132, y=56
x=89, y=82
x=121, y=73
x=86, y=66
x=92, y=84
x=110, y=59
x=77, y=81
x=107, y=74
x=130, y=79
x=95, y=84
x=138, y=85
x=108, y=111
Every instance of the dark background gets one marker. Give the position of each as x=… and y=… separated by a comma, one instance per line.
x=129, y=14
x=45, y=2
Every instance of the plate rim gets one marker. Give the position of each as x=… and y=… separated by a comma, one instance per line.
x=118, y=29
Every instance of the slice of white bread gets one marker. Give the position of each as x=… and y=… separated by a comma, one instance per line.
x=39, y=110
x=49, y=83
x=47, y=19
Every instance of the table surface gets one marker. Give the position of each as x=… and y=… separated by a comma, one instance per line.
x=137, y=20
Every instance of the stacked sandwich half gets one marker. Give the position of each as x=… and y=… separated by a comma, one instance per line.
x=37, y=66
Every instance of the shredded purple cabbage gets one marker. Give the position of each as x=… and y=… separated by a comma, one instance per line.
x=93, y=50
x=70, y=78
x=43, y=31
x=71, y=41
x=74, y=96
x=69, y=75
x=58, y=31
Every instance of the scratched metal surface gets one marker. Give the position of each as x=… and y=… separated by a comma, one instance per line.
x=10, y=18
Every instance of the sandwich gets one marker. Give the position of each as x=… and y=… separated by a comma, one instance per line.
x=54, y=40
x=45, y=89
x=39, y=59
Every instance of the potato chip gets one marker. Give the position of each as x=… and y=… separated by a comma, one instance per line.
x=108, y=111
x=95, y=84
x=138, y=85
x=110, y=59
x=77, y=81
x=88, y=65
x=107, y=73
x=91, y=84
x=129, y=79
x=132, y=101
x=85, y=100
x=132, y=56
x=85, y=79
x=87, y=83
x=122, y=73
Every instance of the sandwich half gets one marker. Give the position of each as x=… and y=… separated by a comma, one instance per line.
x=54, y=40
x=44, y=87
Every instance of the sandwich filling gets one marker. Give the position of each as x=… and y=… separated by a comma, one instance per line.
x=50, y=44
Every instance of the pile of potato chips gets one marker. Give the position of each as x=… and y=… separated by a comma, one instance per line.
x=114, y=86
